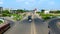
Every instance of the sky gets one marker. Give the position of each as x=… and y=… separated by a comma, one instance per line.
x=31, y=4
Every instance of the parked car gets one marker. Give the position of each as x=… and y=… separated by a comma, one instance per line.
x=2, y=20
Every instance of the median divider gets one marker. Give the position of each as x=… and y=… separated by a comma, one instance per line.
x=4, y=27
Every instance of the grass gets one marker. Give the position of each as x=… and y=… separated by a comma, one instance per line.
x=4, y=14
x=47, y=16
x=1, y=21
x=24, y=15
x=17, y=17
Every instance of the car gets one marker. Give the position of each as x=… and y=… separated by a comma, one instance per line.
x=49, y=32
x=2, y=19
x=29, y=18
x=48, y=26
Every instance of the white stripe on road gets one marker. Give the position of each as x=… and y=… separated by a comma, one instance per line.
x=33, y=28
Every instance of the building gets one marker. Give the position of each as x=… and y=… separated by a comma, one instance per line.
x=35, y=10
x=13, y=11
x=46, y=12
x=1, y=9
x=6, y=9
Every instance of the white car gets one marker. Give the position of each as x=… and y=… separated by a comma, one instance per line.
x=2, y=19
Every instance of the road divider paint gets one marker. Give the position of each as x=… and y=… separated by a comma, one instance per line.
x=33, y=28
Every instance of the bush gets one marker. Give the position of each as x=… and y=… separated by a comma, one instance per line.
x=38, y=12
x=4, y=15
x=1, y=21
x=45, y=17
x=24, y=15
x=17, y=17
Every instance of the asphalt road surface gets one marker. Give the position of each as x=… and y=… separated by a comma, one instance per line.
x=37, y=26
x=53, y=27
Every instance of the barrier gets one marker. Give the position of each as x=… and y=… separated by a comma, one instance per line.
x=4, y=28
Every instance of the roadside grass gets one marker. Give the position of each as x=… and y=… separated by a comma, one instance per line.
x=17, y=17
x=47, y=16
x=1, y=21
x=24, y=14
x=5, y=14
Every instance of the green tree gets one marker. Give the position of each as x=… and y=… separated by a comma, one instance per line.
x=20, y=11
x=6, y=11
x=58, y=11
x=42, y=11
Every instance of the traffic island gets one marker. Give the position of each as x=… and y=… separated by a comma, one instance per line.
x=4, y=26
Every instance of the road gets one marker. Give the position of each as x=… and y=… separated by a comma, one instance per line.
x=53, y=27
x=37, y=26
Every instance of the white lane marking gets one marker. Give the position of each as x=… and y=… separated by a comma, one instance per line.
x=33, y=28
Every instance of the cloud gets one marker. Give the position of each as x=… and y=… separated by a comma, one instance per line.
x=51, y=3
x=42, y=1
x=25, y=0
x=1, y=2
x=20, y=0
x=26, y=3
x=31, y=0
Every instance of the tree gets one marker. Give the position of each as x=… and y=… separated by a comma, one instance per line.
x=42, y=10
x=58, y=11
x=20, y=11
x=6, y=11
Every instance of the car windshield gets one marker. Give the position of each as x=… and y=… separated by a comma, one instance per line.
x=29, y=16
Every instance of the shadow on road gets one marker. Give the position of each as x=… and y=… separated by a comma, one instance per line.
x=38, y=21
x=11, y=23
x=26, y=21
x=53, y=26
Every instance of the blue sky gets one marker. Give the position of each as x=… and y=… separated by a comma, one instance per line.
x=31, y=4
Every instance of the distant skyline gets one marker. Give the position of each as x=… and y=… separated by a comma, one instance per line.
x=31, y=4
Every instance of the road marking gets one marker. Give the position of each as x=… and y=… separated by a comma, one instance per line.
x=33, y=28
